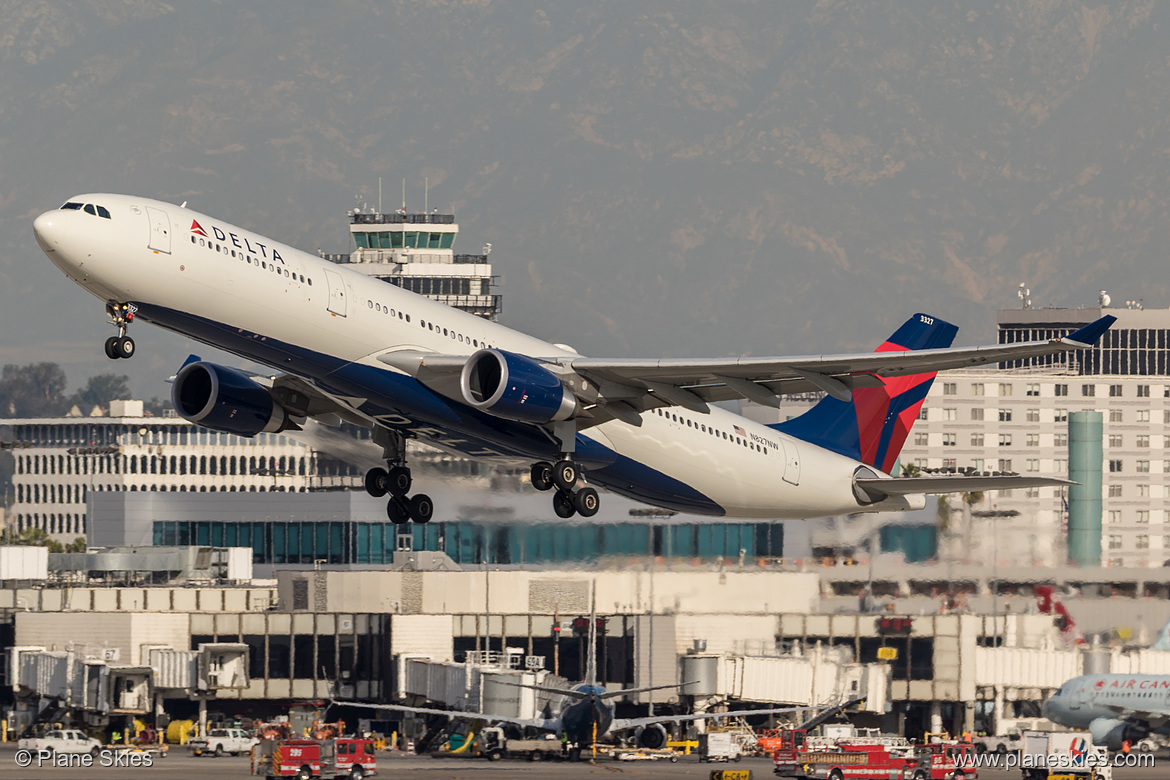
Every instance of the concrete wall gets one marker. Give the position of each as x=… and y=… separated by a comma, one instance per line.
x=89, y=635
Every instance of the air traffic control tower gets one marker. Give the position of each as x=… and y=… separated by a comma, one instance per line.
x=415, y=251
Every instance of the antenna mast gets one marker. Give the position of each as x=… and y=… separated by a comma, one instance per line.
x=591, y=651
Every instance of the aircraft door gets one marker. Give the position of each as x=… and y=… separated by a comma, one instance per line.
x=160, y=230
x=336, y=293
x=791, y=462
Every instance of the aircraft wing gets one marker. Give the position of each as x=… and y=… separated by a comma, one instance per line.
x=545, y=724
x=690, y=383
x=621, y=724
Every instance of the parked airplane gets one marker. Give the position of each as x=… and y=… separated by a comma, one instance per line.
x=1114, y=708
x=354, y=348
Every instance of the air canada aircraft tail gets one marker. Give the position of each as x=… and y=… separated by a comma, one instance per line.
x=874, y=425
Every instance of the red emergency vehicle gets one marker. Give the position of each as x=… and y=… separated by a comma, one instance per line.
x=943, y=761
x=310, y=758
x=849, y=761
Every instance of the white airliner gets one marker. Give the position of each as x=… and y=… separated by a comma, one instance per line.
x=352, y=347
x=1115, y=708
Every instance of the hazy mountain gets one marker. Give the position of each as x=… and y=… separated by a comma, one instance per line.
x=675, y=178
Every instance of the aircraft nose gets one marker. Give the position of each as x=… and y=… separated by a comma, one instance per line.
x=47, y=229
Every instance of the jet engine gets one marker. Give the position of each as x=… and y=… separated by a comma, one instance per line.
x=515, y=387
x=652, y=737
x=225, y=399
x=1111, y=733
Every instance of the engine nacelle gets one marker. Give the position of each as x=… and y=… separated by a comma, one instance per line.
x=652, y=737
x=225, y=399
x=1111, y=733
x=515, y=387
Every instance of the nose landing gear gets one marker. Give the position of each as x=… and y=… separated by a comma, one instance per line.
x=567, y=501
x=396, y=480
x=120, y=346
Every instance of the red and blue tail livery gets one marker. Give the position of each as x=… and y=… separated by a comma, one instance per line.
x=874, y=425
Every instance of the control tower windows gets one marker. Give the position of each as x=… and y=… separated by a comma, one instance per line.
x=398, y=240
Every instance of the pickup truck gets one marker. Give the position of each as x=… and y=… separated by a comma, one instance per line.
x=1010, y=742
x=62, y=741
x=220, y=741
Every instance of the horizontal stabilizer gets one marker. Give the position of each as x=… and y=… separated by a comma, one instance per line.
x=877, y=489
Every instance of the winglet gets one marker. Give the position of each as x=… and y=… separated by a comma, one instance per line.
x=1089, y=334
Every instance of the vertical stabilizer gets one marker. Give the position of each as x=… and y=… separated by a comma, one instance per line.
x=874, y=425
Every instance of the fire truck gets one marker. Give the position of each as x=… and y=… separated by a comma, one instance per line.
x=943, y=761
x=311, y=758
x=848, y=761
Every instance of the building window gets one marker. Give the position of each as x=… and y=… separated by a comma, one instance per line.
x=950, y=414
x=1143, y=391
x=1115, y=415
x=1114, y=516
x=1143, y=516
x=978, y=464
x=977, y=388
x=1114, y=391
x=1033, y=388
x=1060, y=415
x=950, y=388
x=1143, y=467
x=1005, y=440
x=1143, y=440
x=1143, y=415
x=1115, y=491
x=922, y=413
x=1143, y=491
x=1115, y=440
x=948, y=440
x=1143, y=542
x=1060, y=390
x=1005, y=464
x=1032, y=492
x=977, y=440
x=1115, y=466
x=1032, y=440
x=1088, y=390
x=1005, y=389
x=977, y=413
x=1114, y=542
x=1032, y=415
x=1032, y=464
x=921, y=439
x=1005, y=415
x=948, y=463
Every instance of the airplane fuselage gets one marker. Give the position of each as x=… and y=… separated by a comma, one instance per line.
x=1097, y=697
x=297, y=313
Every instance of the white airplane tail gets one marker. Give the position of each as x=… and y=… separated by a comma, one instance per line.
x=1163, y=640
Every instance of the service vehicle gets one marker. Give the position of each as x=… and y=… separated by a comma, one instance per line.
x=494, y=745
x=849, y=761
x=310, y=758
x=943, y=761
x=220, y=741
x=1063, y=755
x=1011, y=742
x=61, y=741
x=719, y=746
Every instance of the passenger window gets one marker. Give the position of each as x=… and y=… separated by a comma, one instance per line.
x=89, y=209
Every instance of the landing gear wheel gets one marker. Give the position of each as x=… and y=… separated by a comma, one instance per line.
x=542, y=475
x=110, y=353
x=565, y=474
x=563, y=504
x=398, y=481
x=586, y=502
x=421, y=508
x=377, y=482
x=123, y=347
x=398, y=510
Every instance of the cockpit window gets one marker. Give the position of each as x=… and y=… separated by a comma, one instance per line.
x=89, y=209
x=71, y=207
x=102, y=212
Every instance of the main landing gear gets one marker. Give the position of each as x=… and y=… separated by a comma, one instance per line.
x=567, y=501
x=395, y=481
x=120, y=346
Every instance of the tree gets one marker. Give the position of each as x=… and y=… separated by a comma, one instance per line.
x=35, y=390
x=100, y=390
